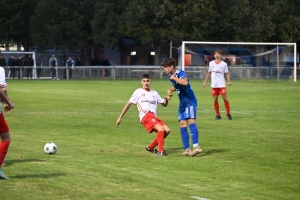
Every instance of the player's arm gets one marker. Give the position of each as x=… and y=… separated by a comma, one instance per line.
x=166, y=101
x=126, y=107
x=206, y=79
x=228, y=78
x=8, y=105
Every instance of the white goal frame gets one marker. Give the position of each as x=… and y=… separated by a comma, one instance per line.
x=243, y=43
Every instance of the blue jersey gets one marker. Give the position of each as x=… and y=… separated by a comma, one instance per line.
x=185, y=93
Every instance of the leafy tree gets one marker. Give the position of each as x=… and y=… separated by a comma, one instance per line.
x=155, y=21
x=14, y=18
x=63, y=23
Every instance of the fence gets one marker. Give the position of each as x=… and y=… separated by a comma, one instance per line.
x=124, y=72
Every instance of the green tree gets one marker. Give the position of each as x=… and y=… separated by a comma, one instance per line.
x=63, y=24
x=14, y=18
x=155, y=21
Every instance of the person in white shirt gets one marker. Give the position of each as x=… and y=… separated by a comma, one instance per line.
x=217, y=70
x=146, y=101
x=4, y=129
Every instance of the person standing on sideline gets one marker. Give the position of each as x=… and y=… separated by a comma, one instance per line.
x=217, y=70
x=38, y=67
x=54, y=71
x=29, y=64
x=4, y=129
x=70, y=65
x=187, y=110
x=147, y=100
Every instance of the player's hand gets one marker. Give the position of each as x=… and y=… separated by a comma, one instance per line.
x=229, y=83
x=204, y=85
x=8, y=107
x=118, y=122
x=172, y=77
x=170, y=93
x=168, y=97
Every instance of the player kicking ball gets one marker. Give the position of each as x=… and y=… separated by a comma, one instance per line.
x=146, y=101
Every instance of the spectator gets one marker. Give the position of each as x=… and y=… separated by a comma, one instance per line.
x=70, y=65
x=38, y=67
x=54, y=72
x=11, y=65
x=29, y=64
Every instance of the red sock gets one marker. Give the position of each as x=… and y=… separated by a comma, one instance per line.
x=154, y=143
x=160, y=140
x=216, y=105
x=3, y=150
x=227, y=106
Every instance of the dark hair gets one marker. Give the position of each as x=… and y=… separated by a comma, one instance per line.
x=168, y=62
x=145, y=76
x=219, y=51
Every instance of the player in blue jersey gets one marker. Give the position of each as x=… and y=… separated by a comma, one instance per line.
x=187, y=106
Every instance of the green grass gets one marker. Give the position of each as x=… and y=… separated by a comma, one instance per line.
x=254, y=156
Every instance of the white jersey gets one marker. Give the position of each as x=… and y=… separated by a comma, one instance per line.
x=2, y=82
x=218, y=72
x=146, y=101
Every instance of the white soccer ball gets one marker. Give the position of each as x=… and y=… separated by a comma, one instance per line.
x=50, y=148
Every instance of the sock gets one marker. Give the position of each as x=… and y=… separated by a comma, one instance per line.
x=154, y=143
x=194, y=134
x=160, y=140
x=3, y=150
x=185, y=137
x=216, y=105
x=227, y=106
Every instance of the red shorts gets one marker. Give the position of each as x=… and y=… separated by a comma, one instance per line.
x=218, y=91
x=3, y=125
x=150, y=120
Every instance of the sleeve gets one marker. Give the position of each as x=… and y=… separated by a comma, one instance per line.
x=182, y=75
x=2, y=78
x=135, y=97
x=159, y=99
x=225, y=68
x=209, y=67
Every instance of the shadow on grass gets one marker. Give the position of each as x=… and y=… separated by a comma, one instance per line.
x=206, y=152
x=23, y=176
x=20, y=160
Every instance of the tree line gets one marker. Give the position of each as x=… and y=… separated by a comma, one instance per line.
x=74, y=24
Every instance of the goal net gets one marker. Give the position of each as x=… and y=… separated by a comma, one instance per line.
x=246, y=60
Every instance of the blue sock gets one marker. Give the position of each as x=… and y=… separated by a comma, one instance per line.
x=185, y=137
x=194, y=134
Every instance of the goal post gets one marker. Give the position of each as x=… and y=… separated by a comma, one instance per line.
x=246, y=59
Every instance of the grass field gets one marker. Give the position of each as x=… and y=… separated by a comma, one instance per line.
x=254, y=156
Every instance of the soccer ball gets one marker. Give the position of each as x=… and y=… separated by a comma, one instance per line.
x=50, y=148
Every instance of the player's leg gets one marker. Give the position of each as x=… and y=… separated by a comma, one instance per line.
x=227, y=105
x=160, y=139
x=185, y=137
x=4, y=144
x=192, y=113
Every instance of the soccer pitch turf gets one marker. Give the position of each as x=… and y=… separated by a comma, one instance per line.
x=254, y=156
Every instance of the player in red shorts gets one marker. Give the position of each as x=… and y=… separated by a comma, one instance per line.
x=146, y=101
x=217, y=70
x=4, y=130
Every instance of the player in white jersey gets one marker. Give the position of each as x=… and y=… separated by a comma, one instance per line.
x=217, y=70
x=146, y=101
x=4, y=130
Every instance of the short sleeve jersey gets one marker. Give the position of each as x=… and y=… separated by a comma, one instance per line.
x=146, y=101
x=185, y=93
x=2, y=82
x=218, y=71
